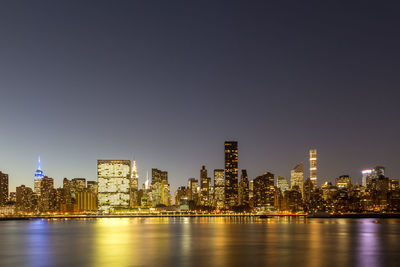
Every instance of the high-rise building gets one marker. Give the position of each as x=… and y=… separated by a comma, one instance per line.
x=378, y=171
x=366, y=177
x=3, y=188
x=204, y=187
x=313, y=166
x=219, y=189
x=244, y=189
x=231, y=174
x=47, y=196
x=37, y=178
x=296, y=177
x=24, y=201
x=193, y=189
x=159, y=187
x=92, y=186
x=344, y=181
x=113, y=184
x=264, y=191
x=282, y=184
x=86, y=200
x=134, y=177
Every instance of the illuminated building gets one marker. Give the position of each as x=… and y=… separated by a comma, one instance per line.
x=92, y=186
x=3, y=188
x=159, y=187
x=134, y=177
x=204, y=187
x=296, y=177
x=344, y=181
x=25, y=197
x=86, y=200
x=378, y=171
x=219, y=189
x=37, y=178
x=264, y=191
x=231, y=174
x=244, y=189
x=366, y=177
x=282, y=184
x=313, y=166
x=193, y=185
x=113, y=184
x=47, y=195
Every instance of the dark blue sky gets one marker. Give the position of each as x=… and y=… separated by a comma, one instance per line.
x=167, y=82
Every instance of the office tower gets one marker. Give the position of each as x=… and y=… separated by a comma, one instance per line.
x=282, y=184
x=159, y=187
x=24, y=201
x=296, y=177
x=343, y=182
x=47, y=195
x=366, y=177
x=251, y=189
x=219, y=189
x=3, y=188
x=313, y=166
x=37, y=178
x=264, y=191
x=244, y=189
x=193, y=185
x=78, y=184
x=204, y=187
x=134, y=177
x=113, y=184
x=231, y=174
x=378, y=171
x=307, y=190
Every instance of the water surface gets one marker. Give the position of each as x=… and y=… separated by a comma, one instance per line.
x=200, y=242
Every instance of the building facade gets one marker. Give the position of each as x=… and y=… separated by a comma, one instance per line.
x=113, y=177
x=231, y=174
x=313, y=166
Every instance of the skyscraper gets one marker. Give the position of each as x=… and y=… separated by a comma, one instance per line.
x=378, y=171
x=134, y=177
x=264, y=191
x=113, y=184
x=313, y=166
x=282, y=184
x=244, y=189
x=219, y=189
x=366, y=177
x=231, y=174
x=37, y=178
x=204, y=187
x=296, y=177
x=159, y=187
x=3, y=188
x=193, y=185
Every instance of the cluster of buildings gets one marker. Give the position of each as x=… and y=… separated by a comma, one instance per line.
x=117, y=190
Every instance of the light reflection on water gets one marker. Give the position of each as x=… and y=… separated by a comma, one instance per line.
x=201, y=241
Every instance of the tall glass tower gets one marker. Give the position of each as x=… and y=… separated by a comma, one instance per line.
x=313, y=166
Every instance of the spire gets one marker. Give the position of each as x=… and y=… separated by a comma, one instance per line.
x=38, y=164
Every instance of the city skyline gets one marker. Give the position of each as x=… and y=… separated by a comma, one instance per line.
x=150, y=85
x=39, y=173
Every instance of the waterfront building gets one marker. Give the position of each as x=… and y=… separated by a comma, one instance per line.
x=47, y=194
x=244, y=189
x=313, y=166
x=219, y=189
x=193, y=190
x=204, y=187
x=24, y=198
x=113, y=184
x=159, y=187
x=366, y=177
x=92, y=186
x=86, y=200
x=231, y=174
x=296, y=177
x=343, y=182
x=3, y=188
x=282, y=184
x=264, y=191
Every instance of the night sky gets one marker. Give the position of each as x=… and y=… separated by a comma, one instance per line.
x=167, y=82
